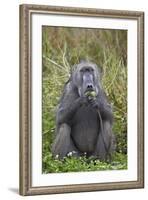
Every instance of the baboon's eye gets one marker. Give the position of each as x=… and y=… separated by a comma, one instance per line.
x=81, y=70
x=89, y=69
x=86, y=69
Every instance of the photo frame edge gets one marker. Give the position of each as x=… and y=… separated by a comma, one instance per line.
x=140, y=103
x=128, y=14
x=24, y=102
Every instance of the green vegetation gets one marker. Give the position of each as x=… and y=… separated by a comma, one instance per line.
x=73, y=164
x=91, y=94
x=64, y=47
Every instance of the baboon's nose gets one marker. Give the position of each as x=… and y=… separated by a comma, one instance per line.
x=89, y=86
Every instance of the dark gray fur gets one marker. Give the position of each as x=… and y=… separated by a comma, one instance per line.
x=78, y=123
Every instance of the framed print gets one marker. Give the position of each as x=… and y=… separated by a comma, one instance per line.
x=81, y=99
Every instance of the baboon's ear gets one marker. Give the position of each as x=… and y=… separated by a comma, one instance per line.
x=100, y=70
x=73, y=68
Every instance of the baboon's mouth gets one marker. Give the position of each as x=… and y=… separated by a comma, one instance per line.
x=89, y=90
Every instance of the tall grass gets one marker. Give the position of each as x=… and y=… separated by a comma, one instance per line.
x=64, y=47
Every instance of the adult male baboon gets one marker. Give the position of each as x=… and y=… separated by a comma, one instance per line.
x=84, y=117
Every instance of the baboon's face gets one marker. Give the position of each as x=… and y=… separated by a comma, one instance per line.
x=85, y=78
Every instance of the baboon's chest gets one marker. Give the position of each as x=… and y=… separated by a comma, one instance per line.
x=85, y=114
x=85, y=128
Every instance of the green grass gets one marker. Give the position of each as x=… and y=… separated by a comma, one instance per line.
x=61, y=49
x=73, y=164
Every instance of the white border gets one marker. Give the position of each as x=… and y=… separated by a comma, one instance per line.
x=39, y=179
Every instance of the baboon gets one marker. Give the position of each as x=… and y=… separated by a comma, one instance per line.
x=84, y=118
